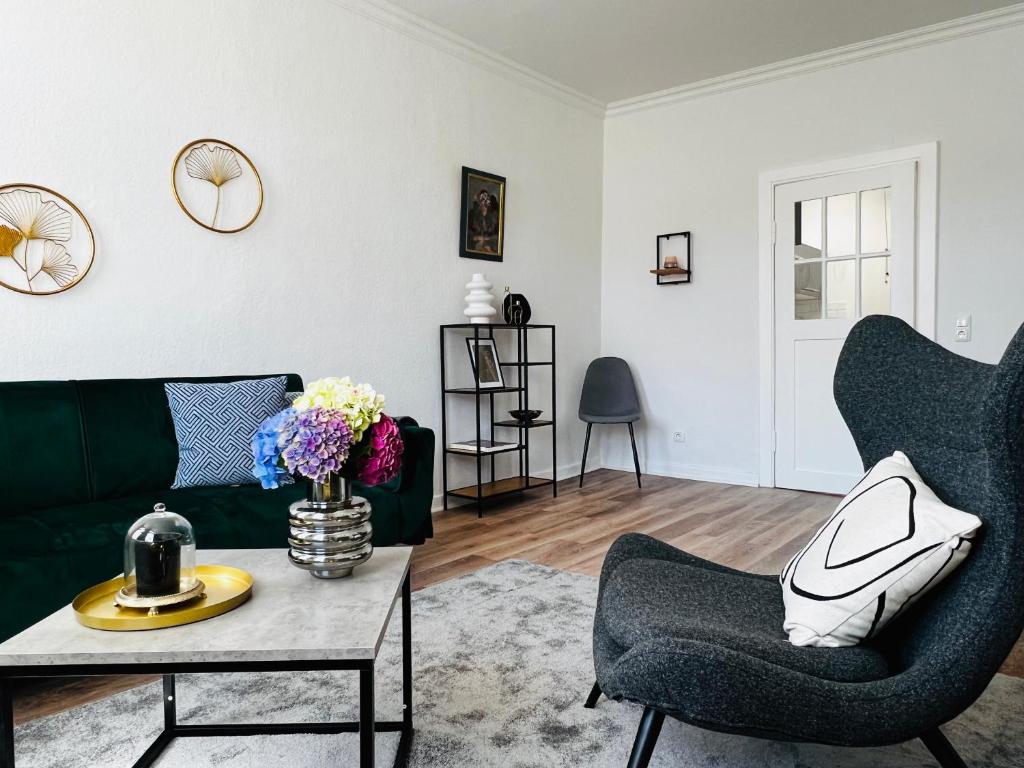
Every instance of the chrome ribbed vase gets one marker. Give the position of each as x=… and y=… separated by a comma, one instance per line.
x=329, y=533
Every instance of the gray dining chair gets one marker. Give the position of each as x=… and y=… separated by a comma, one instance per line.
x=609, y=397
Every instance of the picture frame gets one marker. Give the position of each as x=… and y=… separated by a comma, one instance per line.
x=217, y=186
x=488, y=373
x=482, y=215
x=672, y=261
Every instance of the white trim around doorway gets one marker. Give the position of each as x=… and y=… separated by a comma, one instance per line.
x=927, y=158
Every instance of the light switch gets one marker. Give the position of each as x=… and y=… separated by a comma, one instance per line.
x=962, y=328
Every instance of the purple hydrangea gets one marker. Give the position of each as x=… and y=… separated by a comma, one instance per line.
x=315, y=442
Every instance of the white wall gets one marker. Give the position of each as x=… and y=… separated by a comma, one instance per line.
x=359, y=134
x=694, y=166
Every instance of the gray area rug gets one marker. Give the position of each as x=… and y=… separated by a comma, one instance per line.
x=502, y=667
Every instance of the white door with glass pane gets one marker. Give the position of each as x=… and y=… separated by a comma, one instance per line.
x=844, y=249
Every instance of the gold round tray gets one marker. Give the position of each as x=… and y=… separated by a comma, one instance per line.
x=226, y=588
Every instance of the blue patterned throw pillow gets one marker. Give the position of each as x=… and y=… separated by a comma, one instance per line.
x=215, y=424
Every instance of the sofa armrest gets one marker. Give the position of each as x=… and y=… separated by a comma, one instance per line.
x=418, y=454
x=416, y=483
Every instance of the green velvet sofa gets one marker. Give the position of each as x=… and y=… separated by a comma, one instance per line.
x=80, y=461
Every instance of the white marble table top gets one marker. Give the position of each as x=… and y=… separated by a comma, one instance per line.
x=291, y=616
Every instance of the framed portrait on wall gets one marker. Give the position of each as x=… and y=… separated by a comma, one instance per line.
x=482, y=232
x=483, y=356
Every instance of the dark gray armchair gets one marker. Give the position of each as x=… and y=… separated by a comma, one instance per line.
x=704, y=644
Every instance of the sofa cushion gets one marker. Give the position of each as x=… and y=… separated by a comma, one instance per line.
x=42, y=445
x=215, y=423
x=650, y=599
x=130, y=433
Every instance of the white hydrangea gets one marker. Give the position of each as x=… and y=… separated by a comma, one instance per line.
x=361, y=404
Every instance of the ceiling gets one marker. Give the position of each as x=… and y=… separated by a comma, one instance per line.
x=617, y=49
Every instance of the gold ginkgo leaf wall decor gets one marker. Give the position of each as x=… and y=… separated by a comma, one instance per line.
x=216, y=185
x=46, y=243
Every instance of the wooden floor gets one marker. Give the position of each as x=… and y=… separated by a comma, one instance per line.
x=754, y=529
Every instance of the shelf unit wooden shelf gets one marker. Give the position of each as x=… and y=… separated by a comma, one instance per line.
x=524, y=424
x=493, y=487
x=485, y=390
x=670, y=271
x=498, y=488
x=464, y=452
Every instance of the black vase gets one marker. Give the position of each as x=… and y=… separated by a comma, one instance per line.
x=516, y=309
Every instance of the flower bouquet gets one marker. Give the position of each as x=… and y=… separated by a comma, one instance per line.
x=333, y=433
x=335, y=427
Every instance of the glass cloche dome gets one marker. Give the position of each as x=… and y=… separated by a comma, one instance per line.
x=160, y=555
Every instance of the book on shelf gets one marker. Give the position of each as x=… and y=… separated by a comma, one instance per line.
x=485, y=446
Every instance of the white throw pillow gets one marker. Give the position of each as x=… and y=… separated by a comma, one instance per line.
x=888, y=542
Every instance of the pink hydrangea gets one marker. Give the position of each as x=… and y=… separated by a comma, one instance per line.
x=384, y=458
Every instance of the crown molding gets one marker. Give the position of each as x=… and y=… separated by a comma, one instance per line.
x=409, y=24
x=418, y=28
x=1000, y=18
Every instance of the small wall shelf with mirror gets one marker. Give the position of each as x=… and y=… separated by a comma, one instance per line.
x=672, y=263
x=494, y=377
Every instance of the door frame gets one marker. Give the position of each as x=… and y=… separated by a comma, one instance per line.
x=926, y=256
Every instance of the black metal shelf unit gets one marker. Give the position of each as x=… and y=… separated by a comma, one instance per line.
x=496, y=488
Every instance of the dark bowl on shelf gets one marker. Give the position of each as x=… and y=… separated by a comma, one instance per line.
x=525, y=416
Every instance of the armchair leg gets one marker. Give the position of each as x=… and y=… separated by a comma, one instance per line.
x=595, y=694
x=646, y=737
x=942, y=750
x=636, y=460
x=586, y=445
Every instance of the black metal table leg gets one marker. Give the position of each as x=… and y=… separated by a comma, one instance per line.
x=402, y=756
x=407, y=652
x=6, y=725
x=170, y=704
x=366, y=718
x=154, y=750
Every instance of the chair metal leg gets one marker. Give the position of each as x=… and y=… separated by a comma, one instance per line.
x=586, y=446
x=595, y=694
x=646, y=737
x=636, y=460
x=942, y=750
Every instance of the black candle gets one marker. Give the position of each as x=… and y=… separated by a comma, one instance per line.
x=157, y=564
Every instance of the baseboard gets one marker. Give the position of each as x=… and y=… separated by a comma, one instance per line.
x=707, y=474
x=725, y=475
x=571, y=469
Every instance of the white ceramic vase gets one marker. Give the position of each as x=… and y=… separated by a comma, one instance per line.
x=478, y=300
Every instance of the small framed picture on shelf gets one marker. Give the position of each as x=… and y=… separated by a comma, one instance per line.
x=672, y=260
x=483, y=357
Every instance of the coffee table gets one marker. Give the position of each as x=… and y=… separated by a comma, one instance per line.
x=292, y=622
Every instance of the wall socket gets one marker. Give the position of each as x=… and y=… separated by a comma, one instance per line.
x=678, y=437
x=962, y=328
